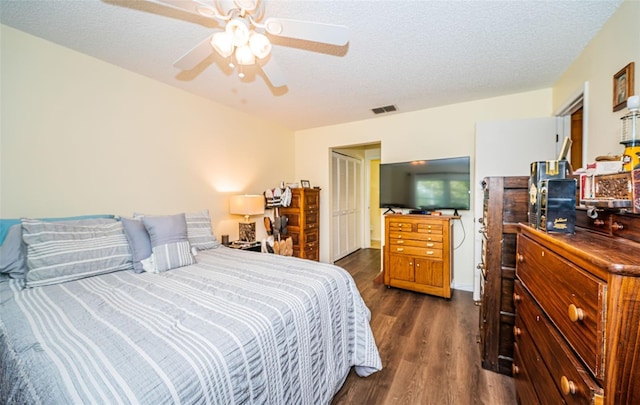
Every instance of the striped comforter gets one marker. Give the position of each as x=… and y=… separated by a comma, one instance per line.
x=238, y=327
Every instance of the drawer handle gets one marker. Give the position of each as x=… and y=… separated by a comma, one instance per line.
x=617, y=227
x=400, y=242
x=429, y=244
x=598, y=222
x=429, y=252
x=399, y=249
x=575, y=314
x=515, y=370
x=517, y=331
x=520, y=257
x=480, y=266
x=516, y=297
x=567, y=386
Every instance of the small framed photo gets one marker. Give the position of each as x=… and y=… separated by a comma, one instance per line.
x=305, y=184
x=622, y=87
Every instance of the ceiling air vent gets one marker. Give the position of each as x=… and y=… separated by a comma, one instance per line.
x=385, y=109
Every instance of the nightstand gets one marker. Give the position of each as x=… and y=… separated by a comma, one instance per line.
x=251, y=246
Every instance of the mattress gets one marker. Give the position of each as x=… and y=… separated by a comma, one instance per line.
x=237, y=327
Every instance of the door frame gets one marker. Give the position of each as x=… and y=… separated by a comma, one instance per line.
x=364, y=191
x=579, y=98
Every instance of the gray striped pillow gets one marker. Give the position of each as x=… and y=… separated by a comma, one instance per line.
x=199, y=230
x=58, y=252
x=169, y=244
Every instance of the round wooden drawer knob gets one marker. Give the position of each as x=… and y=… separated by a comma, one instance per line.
x=516, y=297
x=515, y=370
x=575, y=314
x=520, y=257
x=567, y=386
x=617, y=227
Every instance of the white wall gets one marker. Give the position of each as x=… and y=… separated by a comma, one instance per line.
x=80, y=136
x=617, y=44
x=432, y=133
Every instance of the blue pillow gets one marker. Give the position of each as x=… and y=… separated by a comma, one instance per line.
x=139, y=241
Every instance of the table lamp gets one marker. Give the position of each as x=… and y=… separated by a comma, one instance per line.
x=247, y=205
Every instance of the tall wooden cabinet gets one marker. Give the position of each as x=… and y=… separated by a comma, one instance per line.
x=577, y=331
x=418, y=253
x=505, y=204
x=303, y=224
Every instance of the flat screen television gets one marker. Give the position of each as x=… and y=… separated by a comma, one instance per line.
x=426, y=185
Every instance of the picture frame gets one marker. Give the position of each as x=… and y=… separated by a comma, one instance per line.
x=622, y=87
x=305, y=183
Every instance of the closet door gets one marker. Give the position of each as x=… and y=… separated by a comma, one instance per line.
x=346, y=204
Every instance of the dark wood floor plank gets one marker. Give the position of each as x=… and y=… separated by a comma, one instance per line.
x=428, y=346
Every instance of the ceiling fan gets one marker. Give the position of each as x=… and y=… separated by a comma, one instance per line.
x=244, y=40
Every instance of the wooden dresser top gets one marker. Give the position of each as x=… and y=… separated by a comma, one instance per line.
x=598, y=253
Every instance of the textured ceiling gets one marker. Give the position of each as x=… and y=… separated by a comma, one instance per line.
x=413, y=54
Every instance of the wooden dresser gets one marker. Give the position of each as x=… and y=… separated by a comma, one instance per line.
x=505, y=204
x=304, y=222
x=577, y=331
x=418, y=255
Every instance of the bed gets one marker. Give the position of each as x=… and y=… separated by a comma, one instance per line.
x=233, y=327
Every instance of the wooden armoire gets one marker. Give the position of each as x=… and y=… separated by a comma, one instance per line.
x=505, y=204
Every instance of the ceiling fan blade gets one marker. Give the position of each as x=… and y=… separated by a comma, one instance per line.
x=196, y=55
x=192, y=6
x=309, y=31
x=273, y=73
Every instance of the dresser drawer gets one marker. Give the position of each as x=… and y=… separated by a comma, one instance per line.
x=416, y=251
x=573, y=299
x=538, y=375
x=430, y=228
x=525, y=391
x=416, y=236
x=311, y=219
x=310, y=237
x=416, y=243
x=399, y=226
x=602, y=223
x=575, y=384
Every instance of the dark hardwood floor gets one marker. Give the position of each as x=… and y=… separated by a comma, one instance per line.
x=428, y=345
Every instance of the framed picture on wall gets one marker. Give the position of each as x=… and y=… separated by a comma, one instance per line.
x=622, y=87
x=305, y=183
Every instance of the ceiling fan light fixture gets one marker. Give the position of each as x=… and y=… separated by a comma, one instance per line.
x=244, y=56
x=259, y=44
x=222, y=44
x=238, y=31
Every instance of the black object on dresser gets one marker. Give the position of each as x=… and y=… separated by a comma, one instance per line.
x=251, y=246
x=505, y=204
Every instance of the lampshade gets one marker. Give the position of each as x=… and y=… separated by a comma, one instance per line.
x=238, y=31
x=244, y=56
x=222, y=44
x=259, y=44
x=246, y=205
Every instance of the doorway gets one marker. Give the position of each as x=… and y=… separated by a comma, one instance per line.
x=352, y=187
x=573, y=116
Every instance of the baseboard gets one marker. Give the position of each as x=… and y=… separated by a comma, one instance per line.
x=463, y=287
